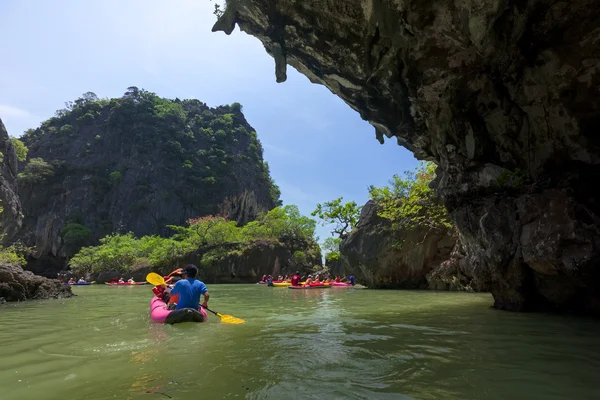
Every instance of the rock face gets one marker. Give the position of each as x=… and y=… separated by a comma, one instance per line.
x=136, y=164
x=10, y=217
x=380, y=258
x=18, y=285
x=248, y=263
x=502, y=95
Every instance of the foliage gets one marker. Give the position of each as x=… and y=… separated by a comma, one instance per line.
x=115, y=177
x=343, y=215
x=203, y=152
x=122, y=252
x=331, y=248
x=20, y=149
x=219, y=8
x=409, y=201
x=75, y=236
x=13, y=254
x=36, y=171
x=514, y=179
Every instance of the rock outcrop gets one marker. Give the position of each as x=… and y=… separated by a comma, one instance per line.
x=10, y=217
x=381, y=258
x=136, y=164
x=247, y=263
x=502, y=95
x=17, y=284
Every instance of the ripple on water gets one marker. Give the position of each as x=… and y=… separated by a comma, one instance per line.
x=307, y=345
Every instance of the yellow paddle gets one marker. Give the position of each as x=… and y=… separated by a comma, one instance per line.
x=158, y=280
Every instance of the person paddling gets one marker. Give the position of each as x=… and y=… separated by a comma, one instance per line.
x=189, y=289
x=296, y=279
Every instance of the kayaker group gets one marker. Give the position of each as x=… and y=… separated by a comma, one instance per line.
x=307, y=279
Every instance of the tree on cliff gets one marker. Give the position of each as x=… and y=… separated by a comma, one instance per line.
x=409, y=201
x=36, y=171
x=20, y=149
x=331, y=248
x=343, y=215
x=12, y=254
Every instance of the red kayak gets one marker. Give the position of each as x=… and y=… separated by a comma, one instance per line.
x=125, y=283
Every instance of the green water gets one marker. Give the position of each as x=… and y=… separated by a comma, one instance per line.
x=320, y=344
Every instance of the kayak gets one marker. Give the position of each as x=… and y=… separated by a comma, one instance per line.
x=126, y=283
x=281, y=284
x=79, y=283
x=340, y=284
x=159, y=313
x=310, y=287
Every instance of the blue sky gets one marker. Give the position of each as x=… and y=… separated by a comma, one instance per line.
x=53, y=51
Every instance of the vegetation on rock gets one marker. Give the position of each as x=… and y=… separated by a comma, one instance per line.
x=138, y=163
x=344, y=217
x=409, y=201
x=20, y=149
x=12, y=254
x=211, y=234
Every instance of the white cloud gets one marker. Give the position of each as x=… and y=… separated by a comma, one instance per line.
x=13, y=112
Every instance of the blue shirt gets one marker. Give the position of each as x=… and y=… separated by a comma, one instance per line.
x=351, y=279
x=189, y=291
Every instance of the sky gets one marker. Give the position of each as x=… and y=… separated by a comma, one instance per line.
x=317, y=147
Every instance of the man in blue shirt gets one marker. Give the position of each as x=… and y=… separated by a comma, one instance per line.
x=351, y=280
x=189, y=289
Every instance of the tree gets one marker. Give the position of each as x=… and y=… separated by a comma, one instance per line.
x=344, y=216
x=409, y=201
x=331, y=248
x=36, y=171
x=20, y=149
x=75, y=236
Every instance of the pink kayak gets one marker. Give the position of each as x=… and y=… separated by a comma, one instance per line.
x=340, y=284
x=161, y=314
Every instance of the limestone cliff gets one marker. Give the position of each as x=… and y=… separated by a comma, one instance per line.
x=502, y=95
x=136, y=163
x=412, y=259
x=10, y=217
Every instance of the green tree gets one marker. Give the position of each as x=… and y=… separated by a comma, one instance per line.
x=20, y=149
x=75, y=236
x=409, y=201
x=344, y=216
x=331, y=249
x=36, y=171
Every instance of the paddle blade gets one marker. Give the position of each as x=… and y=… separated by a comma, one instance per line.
x=155, y=279
x=230, y=319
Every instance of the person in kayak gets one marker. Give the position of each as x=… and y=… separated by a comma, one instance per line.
x=189, y=289
x=351, y=280
x=296, y=279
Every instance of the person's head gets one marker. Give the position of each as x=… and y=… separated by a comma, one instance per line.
x=297, y=273
x=190, y=271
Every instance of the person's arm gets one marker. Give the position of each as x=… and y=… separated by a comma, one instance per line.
x=204, y=291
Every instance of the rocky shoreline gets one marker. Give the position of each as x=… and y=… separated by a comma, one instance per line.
x=16, y=284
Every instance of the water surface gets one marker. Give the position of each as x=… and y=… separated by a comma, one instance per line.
x=320, y=344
